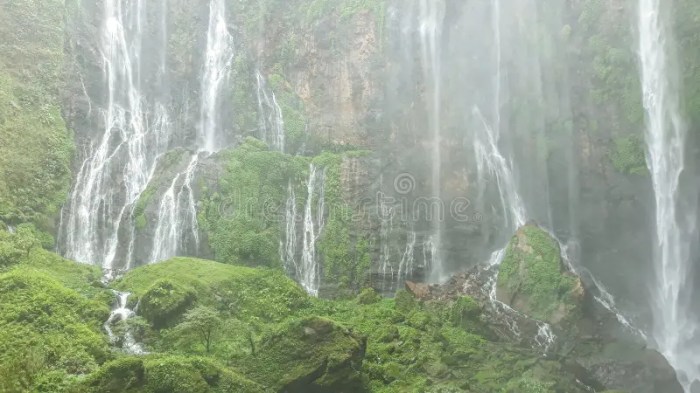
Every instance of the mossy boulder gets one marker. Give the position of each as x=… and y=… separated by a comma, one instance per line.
x=248, y=294
x=166, y=374
x=534, y=280
x=368, y=296
x=308, y=355
x=165, y=301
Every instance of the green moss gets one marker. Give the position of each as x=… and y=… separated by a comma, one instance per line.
x=405, y=302
x=246, y=293
x=242, y=215
x=166, y=374
x=165, y=301
x=531, y=276
x=37, y=148
x=310, y=354
x=343, y=246
x=368, y=296
x=628, y=155
x=46, y=326
x=464, y=310
x=166, y=163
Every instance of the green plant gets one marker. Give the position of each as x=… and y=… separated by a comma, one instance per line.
x=202, y=322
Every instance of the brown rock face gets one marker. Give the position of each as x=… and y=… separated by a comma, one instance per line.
x=421, y=291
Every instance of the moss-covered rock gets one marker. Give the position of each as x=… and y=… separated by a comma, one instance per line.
x=166, y=374
x=308, y=355
x=165, y=301
x=368, y=296
x=534, y=280
x=246, y=293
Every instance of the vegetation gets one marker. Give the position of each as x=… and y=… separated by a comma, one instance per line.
x=166, y=374
x=628, y=155
x=242, y=212
x=204, y=323
x=344, y=248
x=242, y=325
x=36, y=147
x=374, y=344
x=533, y=280
x=50, y=322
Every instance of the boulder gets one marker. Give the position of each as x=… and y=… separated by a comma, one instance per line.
x=162, y=373
x=534, y=280
x=311, y=355
x=626, y=365
x=165, y=302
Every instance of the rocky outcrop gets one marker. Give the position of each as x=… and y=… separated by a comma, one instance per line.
x=534, y=280
x=595, y=346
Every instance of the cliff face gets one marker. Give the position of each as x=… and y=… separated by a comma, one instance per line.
x=36, y=145
x=349, y=76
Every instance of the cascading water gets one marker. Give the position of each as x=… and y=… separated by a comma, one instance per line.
x=218, y=57
x=120, y=163
x=406, y=265
x=431, y=18
x=177, y=217
x=386, y=215
x=491, y=164
x=675, y=322
x=177, y=226
x=271, y=119
x=308, y=273
x=288, y=247
x=121, y=313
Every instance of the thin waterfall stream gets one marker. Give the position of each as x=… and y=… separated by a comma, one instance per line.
x=675, y=324
x=308, y=270
x=431, y=23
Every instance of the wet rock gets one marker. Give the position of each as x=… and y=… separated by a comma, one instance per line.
x=419, y=290
x=594, y=345
x=534, y=280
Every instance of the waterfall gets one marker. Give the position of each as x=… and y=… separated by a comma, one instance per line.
x=120, y=163
x=177, y=230
x=288, y=249
x=121, y=313
x=270, y=114
x=675, y=324
x=218, y=59
x=177, y=217
x=406, y=264
x=386, y=214
x=308, y=271
x=491, y=163
x=431, y=18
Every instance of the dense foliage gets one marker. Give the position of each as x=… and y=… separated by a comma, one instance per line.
x=244, y=209
x=240, y=324
x=36, y=147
